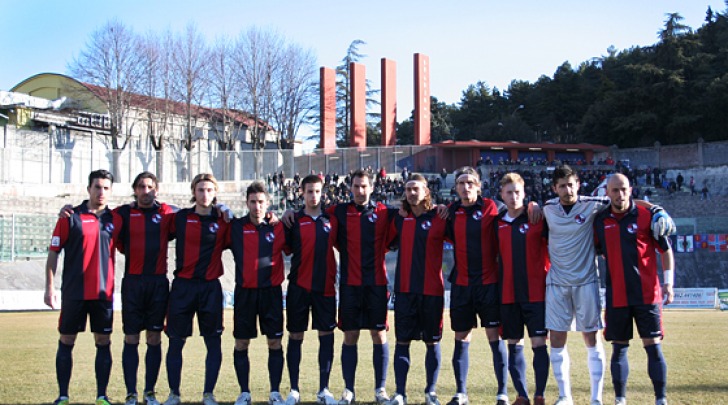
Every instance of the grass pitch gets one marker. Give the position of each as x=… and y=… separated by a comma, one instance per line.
x=694, y=348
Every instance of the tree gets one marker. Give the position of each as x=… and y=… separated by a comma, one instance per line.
x=296, y=92
x=156, y=87
x=343, y=98
x=189, y=63
x=112, y=61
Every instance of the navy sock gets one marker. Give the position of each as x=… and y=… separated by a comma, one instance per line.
x=401, y=366
x=500, y=365
x=380, y=359
x=241, y=362
x=275, y=368
x=541, y=365
x=325, y=359
x=433, y=358
x=620, y=369
x=64, y=366
x=153, y=362
x=130, y=365
x=174, y=364
x=460, y=364
x=657, y=369
x=103, y=368
x=349, y=358
x=293, y=358
x=213, y=362
x=517, y=368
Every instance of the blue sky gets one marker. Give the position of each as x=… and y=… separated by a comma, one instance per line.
x=467, y=41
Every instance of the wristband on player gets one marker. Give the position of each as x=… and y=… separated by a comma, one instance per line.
x=668, y=277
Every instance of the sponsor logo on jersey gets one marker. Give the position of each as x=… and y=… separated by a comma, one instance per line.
x=609, y=226
x=248, y=231
x=156, y=218
x=109, y=227
x=56, y=241
x=632, y=228
x=477, y=215
x=579, y=219
x=523, y=228
x=426, y=225
x=372, y=217
x=270, y=237
x=134, y=215
x=326, y=227
x=192, y=221
x=88, y=221
x=214, y=227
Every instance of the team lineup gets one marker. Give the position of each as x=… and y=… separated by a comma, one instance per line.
x=515, y=266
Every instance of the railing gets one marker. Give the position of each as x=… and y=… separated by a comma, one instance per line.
x=25, y=236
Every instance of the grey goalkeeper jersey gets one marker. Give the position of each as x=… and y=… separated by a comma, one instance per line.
x=571, y=241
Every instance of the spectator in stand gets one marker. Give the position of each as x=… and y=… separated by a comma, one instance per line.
x=704, y=193
x=680, y=180
x=693, y=191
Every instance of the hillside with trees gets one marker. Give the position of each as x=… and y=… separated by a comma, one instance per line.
x=674, y=91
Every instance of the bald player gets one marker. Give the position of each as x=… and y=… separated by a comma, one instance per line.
x=572, y=284
x=623, y=236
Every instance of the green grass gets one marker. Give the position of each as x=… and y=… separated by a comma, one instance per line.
x=695, y=348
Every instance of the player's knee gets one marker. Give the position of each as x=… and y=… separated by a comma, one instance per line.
x=154, y=338
x=297, y=336
x=242, y=344
x=102, y=340
x=379, y=336
x=274, y=344
x=351, y=337
x=68, y=340
x=131, y=339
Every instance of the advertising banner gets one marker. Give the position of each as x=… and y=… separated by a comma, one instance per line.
x=694, y=298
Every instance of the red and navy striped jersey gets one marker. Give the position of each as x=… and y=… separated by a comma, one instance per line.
x=629, y=248
x=144, y=237
x=419, y=261
x=200, y=242
x=472, y=233
x=361, y=238
x=313, y=265
x=524, y=260
x=258, y=253
x=88, y=264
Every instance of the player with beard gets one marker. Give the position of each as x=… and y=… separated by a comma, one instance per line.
x=418, y=286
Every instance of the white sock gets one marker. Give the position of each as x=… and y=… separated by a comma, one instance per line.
x=561, y=363
x=597, y=365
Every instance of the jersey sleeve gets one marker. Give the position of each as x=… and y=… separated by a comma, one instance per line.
x=60, y=234
x=118, y=221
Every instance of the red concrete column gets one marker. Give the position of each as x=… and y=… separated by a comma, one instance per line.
x=389, y=102
x=422, y=99
x=358, y=105
x=328, y=109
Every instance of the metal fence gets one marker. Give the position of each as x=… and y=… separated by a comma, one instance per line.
x=25, y=236
x=45, y=165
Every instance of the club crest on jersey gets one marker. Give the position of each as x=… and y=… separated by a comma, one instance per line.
x=426, y=225
x=56, y=241
x=270, y=237
x=477, y=215
x=632, y=228
x=326, y=227
x=109, y=227
x=523, y=228
x=579, y=219
x=372, y=217
x=214, y=227
x=156, y=218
